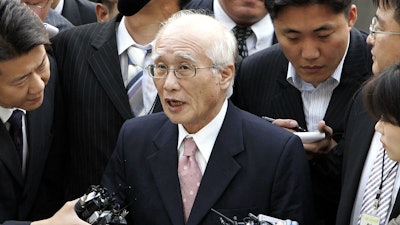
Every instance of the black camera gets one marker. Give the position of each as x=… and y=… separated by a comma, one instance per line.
x=97, y=206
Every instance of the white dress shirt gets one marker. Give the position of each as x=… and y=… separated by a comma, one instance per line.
x=204, y=138
x=124, y=41
x=316, y=99
x=263, y=30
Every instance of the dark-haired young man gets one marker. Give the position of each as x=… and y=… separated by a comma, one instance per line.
x=308, y=79
x=28, y=121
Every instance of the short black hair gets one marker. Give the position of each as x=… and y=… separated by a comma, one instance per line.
x=382, y=95
x=21, y=30
x=275, y=6
x=388, y=4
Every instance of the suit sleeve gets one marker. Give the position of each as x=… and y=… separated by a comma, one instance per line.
x=292, y=184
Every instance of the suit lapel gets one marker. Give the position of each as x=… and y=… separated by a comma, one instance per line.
x=105, y=64
x=221, y=167
x=356, y=69
x=8, y=154
x=166, y=173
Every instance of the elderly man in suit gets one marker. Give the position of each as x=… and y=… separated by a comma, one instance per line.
x=360, y=144
x=308, y=79
x=28, y=120
x=241, y=163
x=94, y=67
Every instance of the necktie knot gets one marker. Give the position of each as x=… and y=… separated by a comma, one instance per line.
x=15, y=121
x=242, y=32
x=189, y=147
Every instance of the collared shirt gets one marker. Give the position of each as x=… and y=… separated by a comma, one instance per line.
x=316, y=99
x=59, y=7
x=263, y=30
x=368, y=165
x=5, y=114
x=124, y=41
x=204, y=138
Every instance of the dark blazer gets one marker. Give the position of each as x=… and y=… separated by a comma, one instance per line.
x=79, y=12
x=209, y=6
x=21, y=195
x=96, y=102
x=355, y=144
x=254, y=167
x=261, y=88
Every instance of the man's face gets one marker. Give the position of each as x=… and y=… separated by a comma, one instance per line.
x=193, y=101
x=22, y=80
x=314, y=39
x=40, y=7
x=385, y=47
x=244, y=12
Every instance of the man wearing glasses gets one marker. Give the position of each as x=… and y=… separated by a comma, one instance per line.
x=361, y=143
x=241, y=163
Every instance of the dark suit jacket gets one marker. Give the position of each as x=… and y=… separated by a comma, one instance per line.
x=209, y=5
x=22, y=196
x=96, y=102
x=261, y=88
x=254, y=167
x=355, y=144
x=79, y=12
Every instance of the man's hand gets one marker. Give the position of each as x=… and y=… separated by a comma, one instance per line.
x=312, y=149
x=65, y=216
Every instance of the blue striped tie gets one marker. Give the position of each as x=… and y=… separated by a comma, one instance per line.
x=381, y=173
x=133, y=82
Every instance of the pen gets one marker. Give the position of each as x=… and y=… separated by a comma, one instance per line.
x=298, y=128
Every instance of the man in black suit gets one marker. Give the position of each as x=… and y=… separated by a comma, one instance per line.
x=310, y=76
x=245, y=165
x=93, y=65
x=241, y=13
x=360, y=142
x=78, y=12
x=29, y=121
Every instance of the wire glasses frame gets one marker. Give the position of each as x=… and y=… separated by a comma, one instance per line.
x=187, y=71
x=37, y=6
x=373, y=31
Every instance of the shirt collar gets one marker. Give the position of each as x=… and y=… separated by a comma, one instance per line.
x=263, y=29
x=205, y=138
x=124, y=39
x=298, y=83
x=5, y=113
x=59, y=7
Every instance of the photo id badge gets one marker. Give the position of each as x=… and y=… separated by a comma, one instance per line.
x=369, y=220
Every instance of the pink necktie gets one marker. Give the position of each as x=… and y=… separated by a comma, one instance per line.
x=189, y=175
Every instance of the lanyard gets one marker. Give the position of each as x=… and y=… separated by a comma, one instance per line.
x=379, y=191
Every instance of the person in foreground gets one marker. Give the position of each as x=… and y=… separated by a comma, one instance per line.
x=243, y=164
x=381, y=96
x=27, y=112
x=360, y=143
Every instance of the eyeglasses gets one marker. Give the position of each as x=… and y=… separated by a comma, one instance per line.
x=373, y=31
x=184, y=71
x=37, y=6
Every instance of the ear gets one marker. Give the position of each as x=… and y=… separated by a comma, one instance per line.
x=352, y=17
x=101, y=12
x=227, y=74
